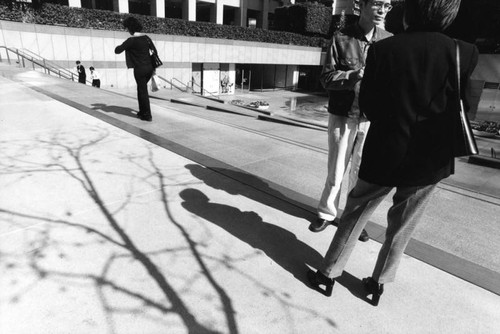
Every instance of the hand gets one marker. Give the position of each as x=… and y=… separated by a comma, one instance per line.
x=361, y=72
x=357, y=74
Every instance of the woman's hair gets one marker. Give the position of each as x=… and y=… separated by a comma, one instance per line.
x=430, y=15
x=132, y=25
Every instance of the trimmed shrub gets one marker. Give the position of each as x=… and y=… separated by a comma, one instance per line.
x=310, y=18
x=52, y=14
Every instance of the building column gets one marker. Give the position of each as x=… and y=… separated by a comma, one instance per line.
x=120, y=6
x=75, y=3
x=241, y=14
x=189, y=10
x=158, y=8
x=265, y=14
x=219, y=11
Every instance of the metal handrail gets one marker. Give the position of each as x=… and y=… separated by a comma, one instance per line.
x=170, y=83
x=23, y=54
x=182, y=83
x=48, y=62
x=203, y=90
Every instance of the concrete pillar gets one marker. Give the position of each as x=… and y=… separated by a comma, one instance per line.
x=219, y=12
x=189, y=10
x=75, y=3
x=241, y=14
x=120, y=6
x=265, y=14
x=158, y=8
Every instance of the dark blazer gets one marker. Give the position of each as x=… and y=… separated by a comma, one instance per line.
x=136, y=51
x=408, y=92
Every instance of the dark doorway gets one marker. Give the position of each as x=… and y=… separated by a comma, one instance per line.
x=243, y=76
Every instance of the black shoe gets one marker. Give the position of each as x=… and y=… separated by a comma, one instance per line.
x=317, y=278
x=320, y=224
x=146, y=118
x=364, y=236
x=139, y=115
x=373, y=288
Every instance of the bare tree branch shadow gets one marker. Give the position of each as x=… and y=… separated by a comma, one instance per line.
x=73, y=165
x=71, y=157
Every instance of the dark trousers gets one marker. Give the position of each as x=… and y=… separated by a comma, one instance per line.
x=142, y=75
x=96, y=83
x=82, y=79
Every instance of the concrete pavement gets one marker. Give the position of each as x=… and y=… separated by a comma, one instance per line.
x=197, y=223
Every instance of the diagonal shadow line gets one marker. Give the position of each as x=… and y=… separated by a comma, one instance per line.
x=225, y=300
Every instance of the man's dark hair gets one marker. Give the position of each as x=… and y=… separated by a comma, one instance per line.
x=132, y=25
x=430, y=15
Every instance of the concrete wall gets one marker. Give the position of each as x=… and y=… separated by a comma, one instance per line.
x=65, y=45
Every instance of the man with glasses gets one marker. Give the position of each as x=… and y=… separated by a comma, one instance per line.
x=347, y=127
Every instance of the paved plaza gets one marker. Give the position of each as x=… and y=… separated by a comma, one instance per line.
x=198, y=223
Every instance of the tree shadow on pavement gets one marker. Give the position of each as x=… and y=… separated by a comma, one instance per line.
x=115, y=109
x=45, y=250
x=280, y=245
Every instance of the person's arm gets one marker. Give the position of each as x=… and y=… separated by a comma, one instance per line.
x=332, y=77
x=124, y=46
x=368, y=90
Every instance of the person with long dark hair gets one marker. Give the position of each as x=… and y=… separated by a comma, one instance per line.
x=409, y=92
x=138, y=57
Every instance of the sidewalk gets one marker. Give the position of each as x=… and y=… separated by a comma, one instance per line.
x=194, y=223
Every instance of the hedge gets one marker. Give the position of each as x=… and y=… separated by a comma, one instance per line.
x=309, y=18
x=52, y=14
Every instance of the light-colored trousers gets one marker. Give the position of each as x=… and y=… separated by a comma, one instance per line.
x=408, y=206
x=346, y=137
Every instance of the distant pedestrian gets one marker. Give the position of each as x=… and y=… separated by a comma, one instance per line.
x=95, y=77
x=138, y=57
x=409, y=93
x=80, y=69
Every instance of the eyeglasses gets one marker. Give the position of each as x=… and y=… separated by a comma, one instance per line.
x=380, y=4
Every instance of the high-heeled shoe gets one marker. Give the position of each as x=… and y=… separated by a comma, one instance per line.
x=373, y=288
x=317, y=278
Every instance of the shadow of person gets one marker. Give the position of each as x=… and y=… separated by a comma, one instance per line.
x=115, y=109
x=280, y=245
x=280, y=201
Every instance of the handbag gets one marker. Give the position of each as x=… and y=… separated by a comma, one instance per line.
x=154, y=84
x=153, y=54
x=464, y=142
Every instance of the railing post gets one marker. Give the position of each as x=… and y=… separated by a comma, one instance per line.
x=18, y=58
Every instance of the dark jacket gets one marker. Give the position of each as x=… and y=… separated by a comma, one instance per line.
x=136, y=51
x=345, y=55
x=408, y=92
